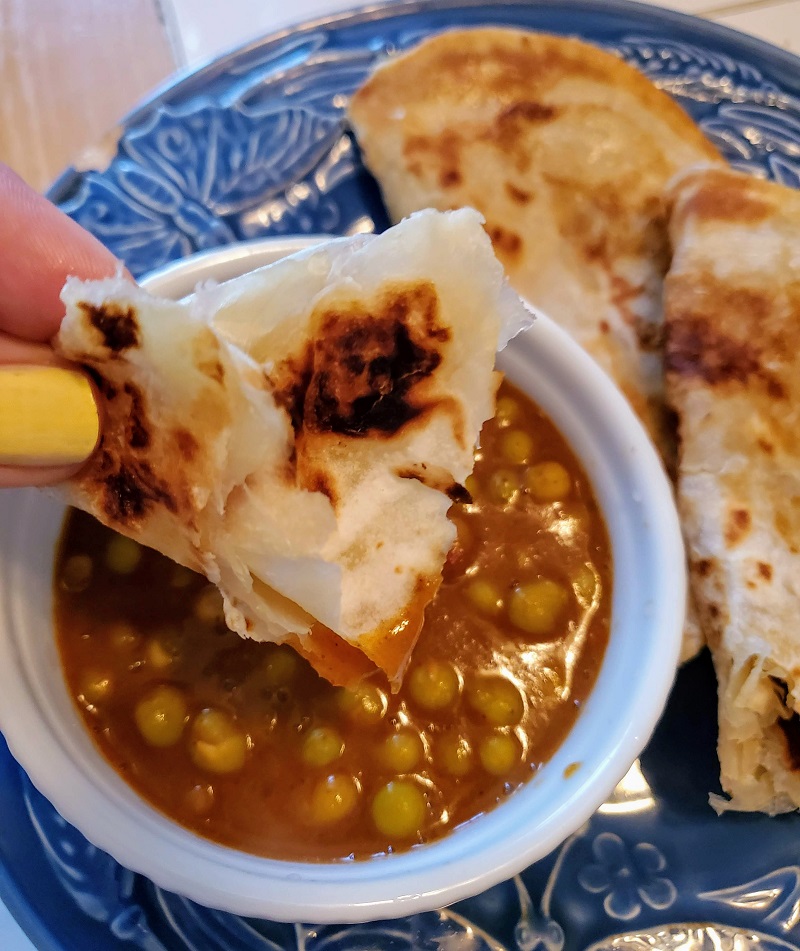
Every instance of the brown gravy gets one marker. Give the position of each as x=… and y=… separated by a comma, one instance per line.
x=245, y=744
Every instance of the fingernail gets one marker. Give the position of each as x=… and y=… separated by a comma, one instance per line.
x=48, y=416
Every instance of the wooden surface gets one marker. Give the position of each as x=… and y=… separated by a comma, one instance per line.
x=69, y=69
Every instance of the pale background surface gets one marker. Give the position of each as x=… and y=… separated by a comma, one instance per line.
x=70, y=69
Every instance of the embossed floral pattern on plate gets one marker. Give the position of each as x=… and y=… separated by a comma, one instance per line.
x=268, y=152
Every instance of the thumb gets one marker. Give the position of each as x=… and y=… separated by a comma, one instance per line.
x=39, y=247
x=49, y=422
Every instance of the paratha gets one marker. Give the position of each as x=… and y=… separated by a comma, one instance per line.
x=732, y=311
x=566, y=150
x=298, y=434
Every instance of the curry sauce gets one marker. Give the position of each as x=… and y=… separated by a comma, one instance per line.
x=245, y=744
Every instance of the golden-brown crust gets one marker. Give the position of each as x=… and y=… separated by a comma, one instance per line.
x=508, y=66
x=698, y=346
x=719, y=198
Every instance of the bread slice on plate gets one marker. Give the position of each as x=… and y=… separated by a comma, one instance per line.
x=298, y=434
x=732, y=310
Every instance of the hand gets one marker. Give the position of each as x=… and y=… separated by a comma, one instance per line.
x=39, y=248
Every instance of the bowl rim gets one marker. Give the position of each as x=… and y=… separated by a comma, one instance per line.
x=473, y=857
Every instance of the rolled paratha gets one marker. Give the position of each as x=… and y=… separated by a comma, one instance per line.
x=298, y=434
x=732, y=311
x=566, y=150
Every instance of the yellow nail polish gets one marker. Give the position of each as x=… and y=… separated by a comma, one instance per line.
x=48, y=416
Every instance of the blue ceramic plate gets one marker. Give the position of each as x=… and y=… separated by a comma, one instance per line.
x=253, y=144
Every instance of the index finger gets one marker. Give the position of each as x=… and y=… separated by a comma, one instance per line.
x=39, y=248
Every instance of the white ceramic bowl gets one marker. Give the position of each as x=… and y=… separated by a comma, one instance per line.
x=45, y=734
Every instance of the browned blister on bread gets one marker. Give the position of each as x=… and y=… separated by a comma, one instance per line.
x=732, y=308
x=298, y=434
x=566, y=150
x=154, y=471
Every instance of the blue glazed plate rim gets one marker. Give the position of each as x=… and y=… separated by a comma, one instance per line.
x=755, y=51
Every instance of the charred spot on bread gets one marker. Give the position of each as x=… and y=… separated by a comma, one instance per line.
x=127, y=487
x=104, y=386
x=507, y=243
x=775, y=388
x=129, y=490
x=459, y=493
x=766, y=446
x=136, y=426
x=441, y=152
x=650, y=335
x=117, y=325
x=527, y=111
x=790, y=728
x=377, y=398
x=737, y=526
x=214, y=370
x=704, y=339
x=449, y=177
x=703, y=567
x=187, y=445
x=695, y=348
x=205, y=355
x=518, y=195
x=361, y=375
x=436, y=478
x=289, y=382
x=319, y=481
x=509, y=131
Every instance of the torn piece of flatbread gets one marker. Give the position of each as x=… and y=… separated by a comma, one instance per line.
x=298, y=434
x=732, y=309
x=566, y=150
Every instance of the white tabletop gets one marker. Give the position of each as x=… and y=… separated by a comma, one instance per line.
x=199, y=29
x=202, y=28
